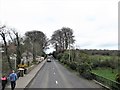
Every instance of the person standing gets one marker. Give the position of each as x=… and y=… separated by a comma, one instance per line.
x=13, y=78
x=4, y=81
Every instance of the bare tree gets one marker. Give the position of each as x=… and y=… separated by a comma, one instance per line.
x=3, y=33
x=16, y=41
x=68, y=36
x=18, y=47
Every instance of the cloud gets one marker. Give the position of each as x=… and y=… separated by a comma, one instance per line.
x=94, y=22
x=108, y=45
x=86, y=44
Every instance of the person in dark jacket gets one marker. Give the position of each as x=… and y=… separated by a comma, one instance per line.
x=4, y=81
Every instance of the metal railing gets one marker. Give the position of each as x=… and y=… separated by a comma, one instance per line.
x=107, y=82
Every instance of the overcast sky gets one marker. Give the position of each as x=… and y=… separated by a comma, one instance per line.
x=94, y=22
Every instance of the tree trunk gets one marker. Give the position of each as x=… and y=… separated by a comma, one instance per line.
x=6, y=52
x=34, y=53
x=18, y=51
x=56, y=47
x=66, y=44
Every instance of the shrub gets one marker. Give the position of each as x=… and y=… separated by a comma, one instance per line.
x=87, y=75
x=65, y=56
x=61, y=61
x=59, y=56
x=99, y=63
x=118, y=77
x=84, y=67
x=85, y=70
x=68, y=63
x=95, y=64
x=73, y=65
x=106, y=63
x=65, y=61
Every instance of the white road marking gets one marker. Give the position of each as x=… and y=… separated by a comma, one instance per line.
x=54, y=73
x=56, y=82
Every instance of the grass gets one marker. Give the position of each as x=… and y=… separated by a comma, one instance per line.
x=106, y=73
x=97, y=57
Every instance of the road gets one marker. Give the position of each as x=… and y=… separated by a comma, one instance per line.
x=54, y=75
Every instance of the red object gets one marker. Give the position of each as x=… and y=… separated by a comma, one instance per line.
x=3, y=78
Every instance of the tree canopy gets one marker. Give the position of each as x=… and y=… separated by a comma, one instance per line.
x=37, y=40
x=62, y=38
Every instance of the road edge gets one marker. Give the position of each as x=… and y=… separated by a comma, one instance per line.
x=35, y=75
x=104, y=86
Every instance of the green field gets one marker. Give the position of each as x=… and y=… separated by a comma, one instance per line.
x=106, y=73
x=100, y=57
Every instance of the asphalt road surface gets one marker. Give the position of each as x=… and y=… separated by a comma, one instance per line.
x=54, y=75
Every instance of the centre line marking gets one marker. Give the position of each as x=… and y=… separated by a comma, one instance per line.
x=56, y=82
x=54, y=73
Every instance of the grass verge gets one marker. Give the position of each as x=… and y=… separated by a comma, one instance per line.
x=106, y=73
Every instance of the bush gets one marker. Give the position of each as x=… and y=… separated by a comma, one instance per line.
x=95, y=64
x=84, y=67
x=99, y=63
x=73, y=65
x=118, y=77
x=65, y=56
x=59, y=56
x=87, y=75
x=85, y=70
x=65, y=61
x=61, y=61
x=105, y=63
x=68, y=63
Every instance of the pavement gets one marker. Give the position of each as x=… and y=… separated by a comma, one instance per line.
x=22, y=82
x=55, y=75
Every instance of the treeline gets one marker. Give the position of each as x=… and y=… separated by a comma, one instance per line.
x=32, y=44
x=13, y=45
x=101, y=52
